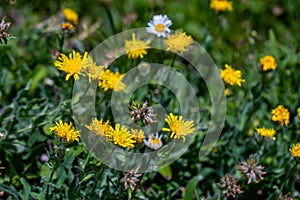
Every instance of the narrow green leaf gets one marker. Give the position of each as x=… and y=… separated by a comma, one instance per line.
x=190, y=187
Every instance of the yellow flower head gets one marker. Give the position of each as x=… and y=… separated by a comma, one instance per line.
x=295, y=150
x=91, y=70
x=268, y=63
x=178, y=42
x=179, y=127
x=70, y=15
x=281, y=115
x=111, y=81
x=66, y=26
x=154, y=141
x=70, y=65
x=231, y=76
x=298, y=112
x=266, y=132
x=65, y=131
x=99, y=127
x=121, y=136
x=226, y=92
x=221, y=5
x=136, y=48
x=138, y=135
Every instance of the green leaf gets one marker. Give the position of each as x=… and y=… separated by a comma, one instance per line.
x=166, y=172
x=10, y=190
x=190, y=187
x=26, y=189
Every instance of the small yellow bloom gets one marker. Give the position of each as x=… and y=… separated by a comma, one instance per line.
x=65, y=131
x=298, y=112
x=70, y=65
x=136, y=48
x=295, y=150
x=268, y=63
x=121, y=136
x=266, y=132
x=281, y=115
x=178, y=42
x=111, y=81
x=154, y=141
x=231, y=76
x=221, y=5
x=99, y=127
x=179, y=127
x=66, y=26
x=70, y=15
x=226, y=92
x=138, y=135
x=91, y=70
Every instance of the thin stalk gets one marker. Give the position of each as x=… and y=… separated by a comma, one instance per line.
x=173, y=61
x=110, y=18
x=136, y=187
x=61, y=42
x=48, y=186
x=262, y=82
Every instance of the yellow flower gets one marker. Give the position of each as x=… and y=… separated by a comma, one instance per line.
x=231, y=76
x=70, y=15
x=66, y=26
x=65, y=131
x=266, y=132
x=99, y=127
x=136, y=48
x=91, y=70
x=298, y=112
x=179, y=127
x=154, y=141
x=295, y=150
x=111, y=81
x=178, y=42
x=71, y=65
x=268, y=63
x=138, y=135
x=221, y=5
x=121, y=136
x=226, y=92
x=281, y=115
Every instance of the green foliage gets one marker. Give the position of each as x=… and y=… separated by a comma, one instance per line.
x=34, y=95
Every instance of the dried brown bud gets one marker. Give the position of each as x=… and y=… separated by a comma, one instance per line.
x=228, y=184
x=131, y=179
x=4, y=26
x=251, y=171
x=142, y=112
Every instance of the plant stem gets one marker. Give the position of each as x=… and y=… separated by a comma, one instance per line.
x=110, y=19
x=262, y=82
x=136, y=187
x=48, y=186
x=61, y=42
x=173, y=61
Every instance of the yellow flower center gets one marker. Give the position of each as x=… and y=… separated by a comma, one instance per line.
x=159, y=28
x=155, y=140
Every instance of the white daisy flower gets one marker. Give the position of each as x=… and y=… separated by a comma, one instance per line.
x=154, y=141
x=159, y=25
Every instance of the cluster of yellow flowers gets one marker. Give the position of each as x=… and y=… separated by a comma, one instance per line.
x=280, y=114
x=76, y=65
x=123, y=137
x=177, y=43
x=159, y=25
